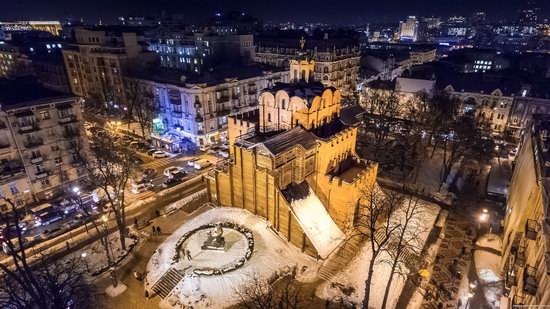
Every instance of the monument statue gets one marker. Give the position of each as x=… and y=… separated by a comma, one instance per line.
x=215, y=240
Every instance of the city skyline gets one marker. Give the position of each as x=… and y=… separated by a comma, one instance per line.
x=349, y=12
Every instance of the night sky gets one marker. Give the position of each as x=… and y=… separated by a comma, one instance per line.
x=330, y=11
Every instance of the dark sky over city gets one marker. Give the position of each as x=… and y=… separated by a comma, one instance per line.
x=330, y=11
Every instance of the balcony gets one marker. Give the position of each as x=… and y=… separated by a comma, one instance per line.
x=28, y=127
x=9, y=169
x=531, y=229
x=223, y=112
x=41, y=175
x=530, y=282
x=223, y=99
x=520, y=257
x=71, y=134
x=177, y=114
x=34, y=142
x=67, y=119
x=199, y=118
x=516, y=243
x=37, y=159
x=198, y=105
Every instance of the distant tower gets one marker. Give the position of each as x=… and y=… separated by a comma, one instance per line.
x=301, y=68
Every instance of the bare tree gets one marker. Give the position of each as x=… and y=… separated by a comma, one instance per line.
x=383, y=108
x=405, y=246
x=256, y=293
x=375, y=223
x=44, y=283
x=463, y=136
x=109, y=169
x=140, y=103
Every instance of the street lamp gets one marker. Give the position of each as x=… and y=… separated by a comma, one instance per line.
x=85, y=261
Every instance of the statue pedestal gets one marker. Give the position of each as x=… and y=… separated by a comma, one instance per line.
x=214, y=243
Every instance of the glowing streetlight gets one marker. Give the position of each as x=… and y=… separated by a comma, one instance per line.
x=83, y=255
x=104, y=218
x=485, y=210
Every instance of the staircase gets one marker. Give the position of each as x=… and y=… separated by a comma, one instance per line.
x=340, y=258
x=168, y=282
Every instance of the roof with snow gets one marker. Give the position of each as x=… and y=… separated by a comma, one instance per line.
x=314, y=219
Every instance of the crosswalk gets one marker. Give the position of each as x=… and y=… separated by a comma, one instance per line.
x=160, y=162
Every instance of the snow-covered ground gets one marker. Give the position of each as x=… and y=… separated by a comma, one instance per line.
x=487, y=265
x=317, y=223
x=94, y=254
x=271, y=254
x=355, y=274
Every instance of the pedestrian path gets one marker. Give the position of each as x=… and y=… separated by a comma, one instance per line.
x=164, y=286
x=451, y=264
x=341, y=257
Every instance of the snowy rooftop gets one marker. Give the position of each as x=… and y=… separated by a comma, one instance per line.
x=314, y=219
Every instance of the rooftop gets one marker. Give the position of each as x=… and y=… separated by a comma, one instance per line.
x=24, y=93
x=210, y=78
x=288, y=139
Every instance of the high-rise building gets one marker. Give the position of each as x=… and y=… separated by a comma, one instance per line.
x=413, y=29
x=53, y=27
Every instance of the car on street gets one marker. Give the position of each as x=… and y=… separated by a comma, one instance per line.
x=200, y=164
x=204, y=148
x=192, y=161
x=172, y=171
x=149, y=172
x=47, y=234
x=48, y=218
x=160, y=154
x=151, y=151
x=141, y=187
x=170, y=182
x=223, y=153
x=68, y=206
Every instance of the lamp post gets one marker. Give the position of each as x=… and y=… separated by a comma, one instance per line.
x=471, y=292
x=83, y=255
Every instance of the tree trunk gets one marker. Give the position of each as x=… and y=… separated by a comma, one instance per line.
x=368, y=282
x=388, y=285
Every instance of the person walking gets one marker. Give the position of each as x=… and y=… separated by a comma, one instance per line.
x=188, y=255
x=154, y=230
x=146, y=294
x=158, y=230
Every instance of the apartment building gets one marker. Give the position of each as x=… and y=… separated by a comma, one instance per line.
x=525, y=257
x=196, y=51
x=41, y=141
x=98, y=58
x=193, y=109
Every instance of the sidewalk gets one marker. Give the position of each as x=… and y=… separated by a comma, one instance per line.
x=134, y=297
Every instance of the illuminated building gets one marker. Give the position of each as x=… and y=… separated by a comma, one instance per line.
x=53, y=27
x=525, y=257
x=294, y=159
x=41, y=138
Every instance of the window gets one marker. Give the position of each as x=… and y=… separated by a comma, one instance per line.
x=58, y=161
x=268, y=117
x=13, y=188
x=283, y=104
x=55, y=148
x=45, y=182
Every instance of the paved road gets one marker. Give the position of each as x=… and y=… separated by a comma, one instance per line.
x=79, y=236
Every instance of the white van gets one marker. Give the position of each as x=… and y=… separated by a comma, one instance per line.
x=199, y=165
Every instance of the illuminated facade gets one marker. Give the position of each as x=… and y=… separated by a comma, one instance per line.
x=53, y=27
x=299, y=141
x=525, y=257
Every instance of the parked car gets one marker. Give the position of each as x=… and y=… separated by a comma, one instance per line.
x=170, y=182
x=47, y=234
x=204, y=148
x=151, y=151
x=199, y=165
x=172, y=171
x=223, y=153
x=160, y=154
x=192, y=161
